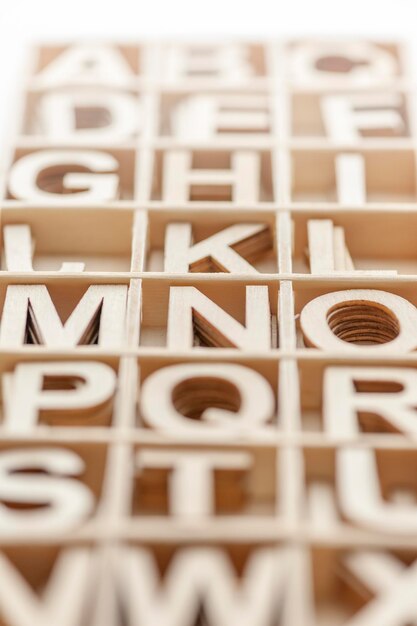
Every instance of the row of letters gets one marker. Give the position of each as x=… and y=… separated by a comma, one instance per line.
x=70, y=177
x=349, y=63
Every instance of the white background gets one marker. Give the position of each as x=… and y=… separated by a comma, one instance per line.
x=26, y=21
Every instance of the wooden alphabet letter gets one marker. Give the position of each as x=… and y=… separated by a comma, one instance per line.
x=108, y=116
x=222, y=250
x=227, y=62
x=243, y=179
x=357, y=319
x=360, y=497
x=29, y=316
x=350, y=393
x=52, y=169
x=206, y=117
x=56, y=502
x=191, y=482
x=353, y=64
x=27, y=397
x=254, y=407
x=190, y=311
x=391, y=584
x=86, y=64
x=350, y=179
x=64, y=597
x=347, y=118
x=203, y=576
x=328, y=252
x=19, y=248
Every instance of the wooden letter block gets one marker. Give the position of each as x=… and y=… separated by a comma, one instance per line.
x=19, y=247
x=29, y=316
x=92, y=179
x=84, y=64
x=68, y=500
x=64, y=595
x=221, y=250
x=202, y=575
x=328, y=252
x=355, y=393
x=191, y=311
x=191, y=484
x=353, y=64
x=348, y=118
x=389, y=580
x=204, y=118
x=358, y=320
x=225, y=62
x=360, y=498
x=350, y=180
x=87, y=117
x=205, y=388
x=27, y=397
x=242, y=179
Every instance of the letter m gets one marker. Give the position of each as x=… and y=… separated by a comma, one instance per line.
x=30, y=316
